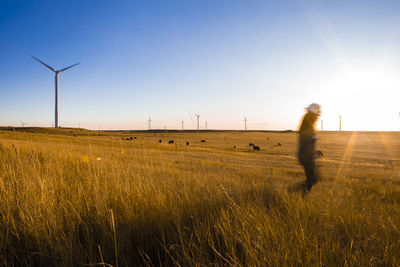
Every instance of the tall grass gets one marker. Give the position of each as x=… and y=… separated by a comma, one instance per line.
x=100, y=200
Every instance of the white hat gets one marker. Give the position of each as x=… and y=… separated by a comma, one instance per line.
x=314, y=108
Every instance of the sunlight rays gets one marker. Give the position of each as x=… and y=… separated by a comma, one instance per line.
x=347, y=152
x=389, y=151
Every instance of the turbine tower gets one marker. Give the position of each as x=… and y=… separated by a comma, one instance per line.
x=56, y=85
x=340, y=123
x=245, y=123
x=149, y=123
x=198, y=126
x=182, y=125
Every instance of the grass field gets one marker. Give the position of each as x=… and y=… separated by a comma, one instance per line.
x=75, y=197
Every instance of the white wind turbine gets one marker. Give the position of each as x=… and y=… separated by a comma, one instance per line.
x=198, y=120
x=149, y=123
x=56, y=86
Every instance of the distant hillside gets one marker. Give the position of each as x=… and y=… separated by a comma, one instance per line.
x=45, y=130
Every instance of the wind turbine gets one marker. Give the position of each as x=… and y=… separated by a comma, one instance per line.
x=245, y=123
x=198, y=116
x=149, y=123
x=56, y=85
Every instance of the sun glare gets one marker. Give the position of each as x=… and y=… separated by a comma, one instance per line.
x=365, y=97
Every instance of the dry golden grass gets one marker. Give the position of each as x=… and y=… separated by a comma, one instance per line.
x=101, y=200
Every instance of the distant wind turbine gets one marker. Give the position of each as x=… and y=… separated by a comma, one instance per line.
x=198, y=116
x=56, y=85
x=149, y=123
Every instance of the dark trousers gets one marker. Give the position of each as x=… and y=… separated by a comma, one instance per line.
x=310, y=168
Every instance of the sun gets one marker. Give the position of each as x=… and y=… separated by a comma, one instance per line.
x=366, y=97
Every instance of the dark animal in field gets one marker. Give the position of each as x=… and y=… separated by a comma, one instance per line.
x=255, y=148
x=131, y=138
x=187, y=143
x=160, y=141
x=234, y=147
x=134, y=137
x=170, y=141
x=128, y=139
x=203, y=141
x=279, y=144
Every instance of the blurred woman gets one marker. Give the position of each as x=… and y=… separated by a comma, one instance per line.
x=307, y=142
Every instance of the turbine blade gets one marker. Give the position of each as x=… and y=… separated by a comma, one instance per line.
x=68, y=67
x=44, y=63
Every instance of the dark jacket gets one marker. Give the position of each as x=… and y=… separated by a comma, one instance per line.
x=307, y=140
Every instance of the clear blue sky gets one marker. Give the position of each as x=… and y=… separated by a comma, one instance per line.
x=224, y=59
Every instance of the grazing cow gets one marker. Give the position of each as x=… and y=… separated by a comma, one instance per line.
x=131, y=138
x=279, y=144
x=187, y=143
x=160, y=141
x=134, y=137
x=203, y=141
x=234, y=147
x=170, y=141
x=127, y=139
x=255, y=148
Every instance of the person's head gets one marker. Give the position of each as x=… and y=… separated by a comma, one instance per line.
x=313, y=112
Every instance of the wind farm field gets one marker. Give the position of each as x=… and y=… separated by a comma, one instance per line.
x=73, y=197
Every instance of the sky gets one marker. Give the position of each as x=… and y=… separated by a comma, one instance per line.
x=225, y=60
